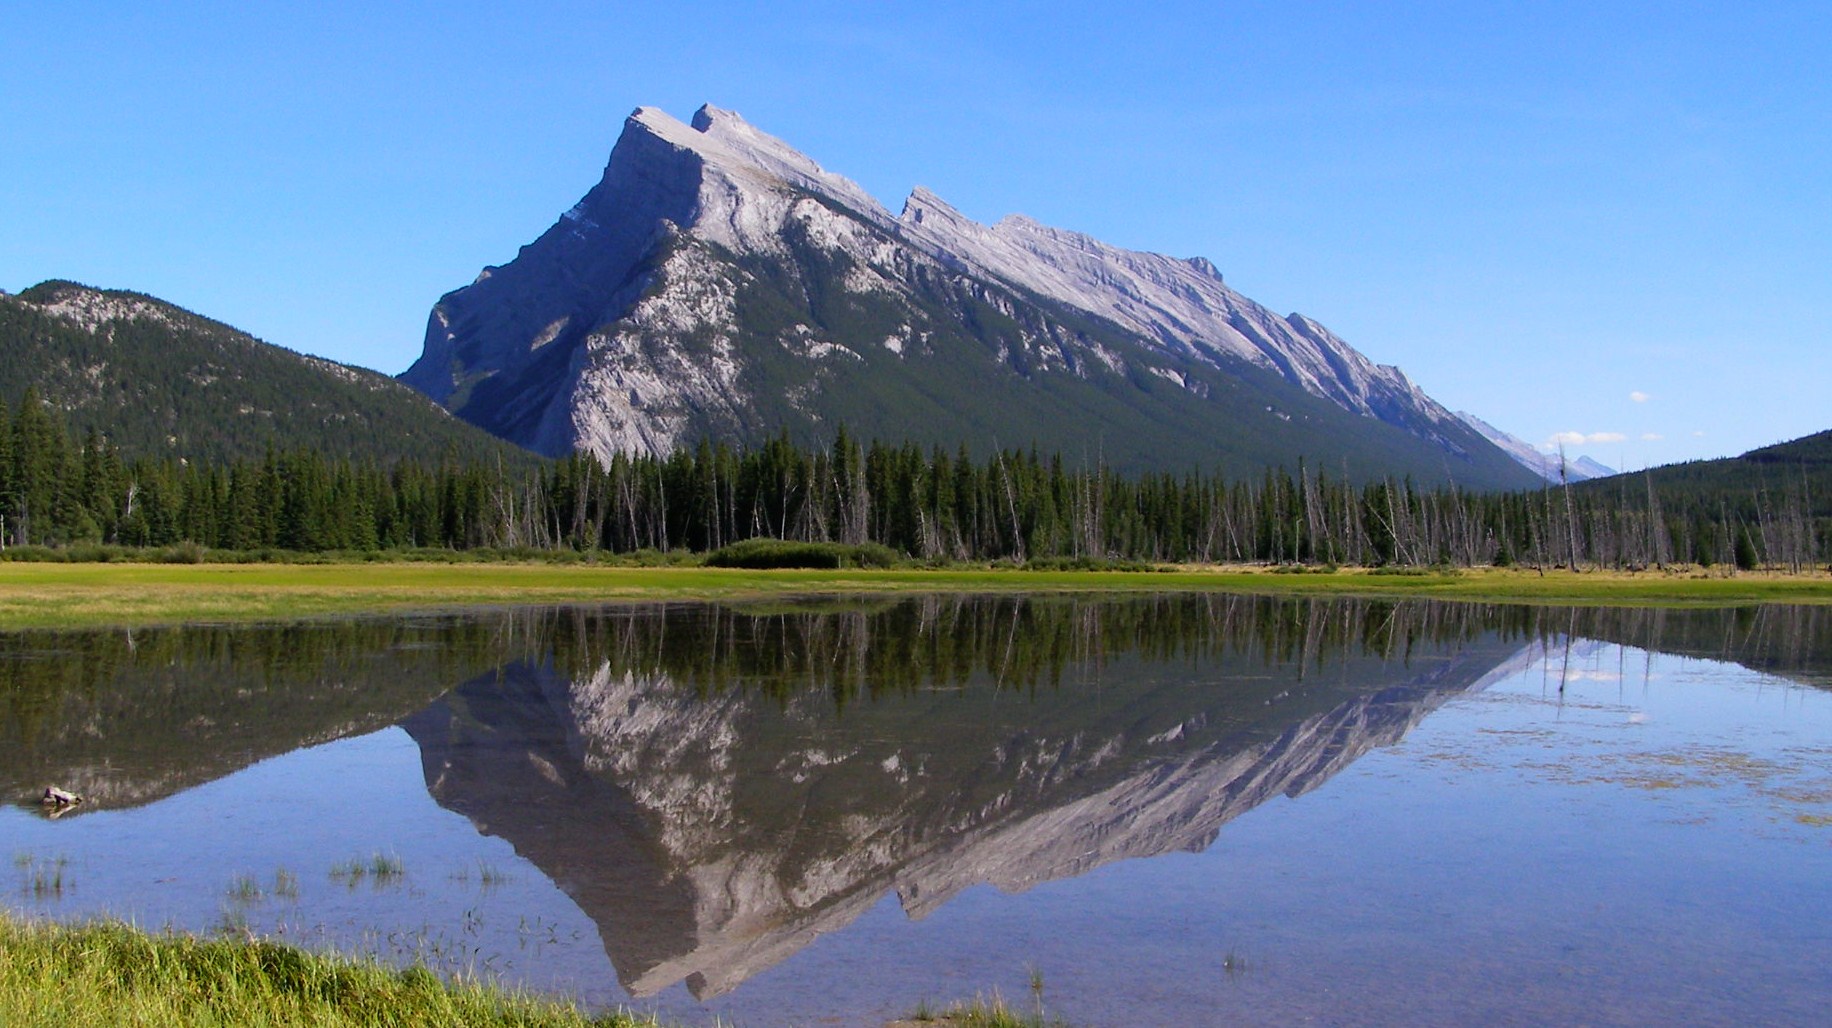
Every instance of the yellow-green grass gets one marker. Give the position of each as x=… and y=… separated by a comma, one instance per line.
x=108, y=973
x=97, y=595
x=978, y=1013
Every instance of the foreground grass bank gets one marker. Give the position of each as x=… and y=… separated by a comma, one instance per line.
x=98, y=595
x=111, y=974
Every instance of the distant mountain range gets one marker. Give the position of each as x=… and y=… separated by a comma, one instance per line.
x=159, y=381
x=717, y=284
x=1545, y=465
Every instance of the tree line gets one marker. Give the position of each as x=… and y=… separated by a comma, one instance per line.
x=1013, y=505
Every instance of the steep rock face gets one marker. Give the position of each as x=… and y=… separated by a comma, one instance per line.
x=717, y=283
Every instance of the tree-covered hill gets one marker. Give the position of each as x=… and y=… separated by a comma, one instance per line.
x=1813, y=451
x=158, y=381
x=1798, y=471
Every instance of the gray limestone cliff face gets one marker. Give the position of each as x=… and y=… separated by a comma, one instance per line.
x=716, y=283
x=1184, y=305
x=482, y=341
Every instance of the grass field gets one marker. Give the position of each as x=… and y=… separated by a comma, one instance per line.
x=99, y=595
x=112, y=974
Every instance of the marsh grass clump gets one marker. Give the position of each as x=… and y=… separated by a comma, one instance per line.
x=981, y=1012
x=380, y=868
x=489, y=876
x=42, y=879
x=112, y=973
x=244, y=889
x=349, y=872
x=386, y=867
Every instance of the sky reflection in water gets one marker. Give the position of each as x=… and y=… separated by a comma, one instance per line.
x=1470, y=842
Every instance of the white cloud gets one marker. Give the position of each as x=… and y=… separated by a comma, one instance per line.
x=1639, y=397
x=1699, y=434
x=1651, y=437
x=1582, y=438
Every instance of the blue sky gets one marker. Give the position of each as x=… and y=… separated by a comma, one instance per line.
x=1600, y=219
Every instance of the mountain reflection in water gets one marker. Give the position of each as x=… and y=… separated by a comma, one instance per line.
x=715, y=786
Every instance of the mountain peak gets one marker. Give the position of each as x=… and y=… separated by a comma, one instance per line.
x=717, y=280
x=750, y=159
x=88, y=307
x=708, y=116
x=923, y=207
x=1545, y=465
x=1204, y=265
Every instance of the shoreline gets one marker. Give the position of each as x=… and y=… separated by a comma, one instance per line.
x=103, y=971
x=117, y=595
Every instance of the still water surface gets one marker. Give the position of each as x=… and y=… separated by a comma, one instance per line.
x=1176, y=810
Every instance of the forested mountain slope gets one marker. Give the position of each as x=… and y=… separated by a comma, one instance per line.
x=1797, y=472
x=158, y=381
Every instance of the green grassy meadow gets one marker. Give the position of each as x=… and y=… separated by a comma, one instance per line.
x=101, y=595
x=108, y=973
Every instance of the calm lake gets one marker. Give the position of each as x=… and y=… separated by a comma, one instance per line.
x=1166, y=809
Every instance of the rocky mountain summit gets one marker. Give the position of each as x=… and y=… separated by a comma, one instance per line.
x=718, y=284
x=1545, y=465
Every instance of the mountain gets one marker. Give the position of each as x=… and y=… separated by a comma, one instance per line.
x=160, y=381
x=1765, y=483
x=1813, y=451
x=1545, y=465
x=717, y=284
